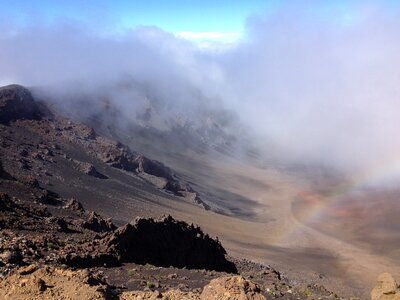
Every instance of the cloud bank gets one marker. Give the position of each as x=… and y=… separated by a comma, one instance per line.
x=320, y=82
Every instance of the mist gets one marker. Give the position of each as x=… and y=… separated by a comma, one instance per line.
x=315, y=82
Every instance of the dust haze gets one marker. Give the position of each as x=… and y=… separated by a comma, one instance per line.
x=320, y=82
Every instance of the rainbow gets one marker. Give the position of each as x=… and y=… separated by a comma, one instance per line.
x=382, y=175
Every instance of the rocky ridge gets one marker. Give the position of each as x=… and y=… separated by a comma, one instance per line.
x=58, y=283
x=51, y=247
x=167, y=242
x=41, y=249
x=55, y=239
x=19, y=106
x=162, y=242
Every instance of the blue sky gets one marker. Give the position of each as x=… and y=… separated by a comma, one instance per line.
x=214, y=20
x=218, y=16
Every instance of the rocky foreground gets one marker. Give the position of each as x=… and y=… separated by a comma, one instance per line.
x=52, y=248
x=69, y=253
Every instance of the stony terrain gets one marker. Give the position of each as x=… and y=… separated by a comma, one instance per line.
x=52, y=247
x=42, y=250
x=36, y=123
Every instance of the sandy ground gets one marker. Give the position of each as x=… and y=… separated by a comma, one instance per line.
x=258, y=223
x=261, y=222
x=273, y=235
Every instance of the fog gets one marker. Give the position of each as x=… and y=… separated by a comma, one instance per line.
x=316, y=82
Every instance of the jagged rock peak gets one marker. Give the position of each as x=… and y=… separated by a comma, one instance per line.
x=168, y=242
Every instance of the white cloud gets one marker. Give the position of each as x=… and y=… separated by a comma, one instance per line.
x=222, y=37
x=211, y=41
x=322, y=86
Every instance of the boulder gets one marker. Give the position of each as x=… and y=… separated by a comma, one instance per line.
x=6, y=204
x=53, y=283
x=74, y=205
x=167, y=242
x=231, y=288
x=27, y=269
x=156, y=295
x=96, y=223
x=12, y=256
x=152, y=167
x=386, y=288
x=113, y=153
x=88, y=260
x=30, y=181
x=4, y=174
x=223, y=288
x=90, y=170
x=59, y=223
x=48, y=197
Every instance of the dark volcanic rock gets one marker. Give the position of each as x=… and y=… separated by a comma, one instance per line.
x=74, y=205
x=152, y=167
x=90, y=260
x=11, y=256
x=60, y=223
x=167, y=242
x=48, y=197
x=164, y=242
x=16, y=102
x=6, y=204
x=96, y=223
x=113, y=153
x=90, y=170
x=29, y=181
x=4, y=174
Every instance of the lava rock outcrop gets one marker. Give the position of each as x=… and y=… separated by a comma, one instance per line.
x=152, y=167
x=167, y=242
x=74, y=205
x=4, y=174
x=90, y=170
x=96, y=223
x=6, y=204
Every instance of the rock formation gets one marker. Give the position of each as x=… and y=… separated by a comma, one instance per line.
x=96, y=223
x=167, y=242
x=232, y=287
x=45, y=235
x=52, y=283
x=4, y=174
x=386, y=288
x=156, y=295
x=90, y=170
x=74, y=205
x=224, y=288
x=6, y=204
x=55, y=133
x=152, y=167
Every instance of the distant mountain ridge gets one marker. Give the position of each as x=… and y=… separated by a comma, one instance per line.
x=192, y=121
x=18, y=105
